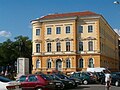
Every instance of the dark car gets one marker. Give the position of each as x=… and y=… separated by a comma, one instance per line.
x=100, y=77
x=93, y=76
x=58, y=84
x=85, y=78
x=115, y=79
x=68, y=83
x=76, y=80
x=36, y=82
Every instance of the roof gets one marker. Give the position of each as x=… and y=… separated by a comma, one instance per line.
x=85, y=13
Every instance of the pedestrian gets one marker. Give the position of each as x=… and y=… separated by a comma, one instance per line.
x=107, y=79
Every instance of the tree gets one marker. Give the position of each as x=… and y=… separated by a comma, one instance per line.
x=10, y=51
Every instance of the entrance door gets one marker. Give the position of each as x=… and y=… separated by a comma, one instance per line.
x=58, y=65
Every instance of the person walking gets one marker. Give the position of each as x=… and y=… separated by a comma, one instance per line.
x=107, y=79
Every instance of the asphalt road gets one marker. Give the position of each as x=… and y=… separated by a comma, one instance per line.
x=94, y=87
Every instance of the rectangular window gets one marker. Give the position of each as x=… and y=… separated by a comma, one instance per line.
x=67, y=29
x=48, y=47
x=80, y=29
x=90, y=28
x=58, y=30
x=37, y=32
x=48, y=31
x=90, y=46
x=80, y=46
x=37, y=48
x=58, y=47
x=67, y=46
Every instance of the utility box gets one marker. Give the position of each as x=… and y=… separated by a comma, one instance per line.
x=22, y=66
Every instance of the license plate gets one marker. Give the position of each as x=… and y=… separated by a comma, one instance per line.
x=57, y=83
x=16, y=87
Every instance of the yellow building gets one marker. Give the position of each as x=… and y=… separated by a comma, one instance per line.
x=73, y=42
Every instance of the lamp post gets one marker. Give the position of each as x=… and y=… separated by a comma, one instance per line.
x=116, y=2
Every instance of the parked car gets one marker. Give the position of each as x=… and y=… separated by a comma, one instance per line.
x=100, y=77
x=85, y=78
x=7, y=84
x=75, y=80
x=36, y=82
x=115, y=79
x=93, y=76
x=58, y=84
x=67, y=83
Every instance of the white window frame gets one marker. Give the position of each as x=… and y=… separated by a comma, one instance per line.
x=37, y=32
x=37, y=48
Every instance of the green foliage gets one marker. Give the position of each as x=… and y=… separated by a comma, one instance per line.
x=9, y=50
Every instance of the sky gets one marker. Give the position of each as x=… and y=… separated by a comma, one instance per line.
x=15, y=15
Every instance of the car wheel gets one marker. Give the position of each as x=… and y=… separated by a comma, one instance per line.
x=39, y=88
x=85, y=82
x=116, y=83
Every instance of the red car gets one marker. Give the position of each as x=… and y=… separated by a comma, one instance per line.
x=36, y=82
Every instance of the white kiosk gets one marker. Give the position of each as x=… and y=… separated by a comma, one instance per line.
x=22, y=66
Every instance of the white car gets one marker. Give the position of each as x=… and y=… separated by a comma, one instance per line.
x=7, y=84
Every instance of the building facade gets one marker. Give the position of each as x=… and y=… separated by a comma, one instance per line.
x=73, y=42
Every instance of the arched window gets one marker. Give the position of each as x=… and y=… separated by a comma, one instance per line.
x=68, y=64
x=91, y=65
x=81, y=63
x=49, y=63
x=38, y=64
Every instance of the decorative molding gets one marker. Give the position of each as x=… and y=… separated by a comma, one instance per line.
x=49, y=40
x=37, y=41
x=68, y=39
x=89, y=38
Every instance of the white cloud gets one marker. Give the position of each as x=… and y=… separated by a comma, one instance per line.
x=117, y=31
x=5, y=34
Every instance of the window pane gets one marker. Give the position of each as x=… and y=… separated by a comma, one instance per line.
x=90, y=28
x=49, y=47
x=80, y=46
x=32, y=79
x=90, y=46
x=58, y=47
x=67, y=29
x=22, y=78
x=37, y=64
x=80, y=29
x=49, y=64
x=48, y=30
x=58, y=30
x=81, y=63
x=37, y=31
x=67, y=46
x=68, y=64
x=91, y=63
x=37, y=48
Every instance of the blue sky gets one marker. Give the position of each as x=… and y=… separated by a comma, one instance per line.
x=15, y=15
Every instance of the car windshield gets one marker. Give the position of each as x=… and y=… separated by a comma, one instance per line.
x=45, y=77
x=22, y=78
x=3, y=79
x=50, y=77
x=55, y=77
x=61, y=76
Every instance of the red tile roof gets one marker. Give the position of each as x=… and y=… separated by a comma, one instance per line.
x=86, y=13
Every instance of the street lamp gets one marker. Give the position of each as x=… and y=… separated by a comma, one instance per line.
x=116, y=2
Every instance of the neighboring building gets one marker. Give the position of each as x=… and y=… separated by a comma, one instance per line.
x=119, y=51
x=73, y=42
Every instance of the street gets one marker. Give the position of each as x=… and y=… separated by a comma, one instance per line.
x=94, y=87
